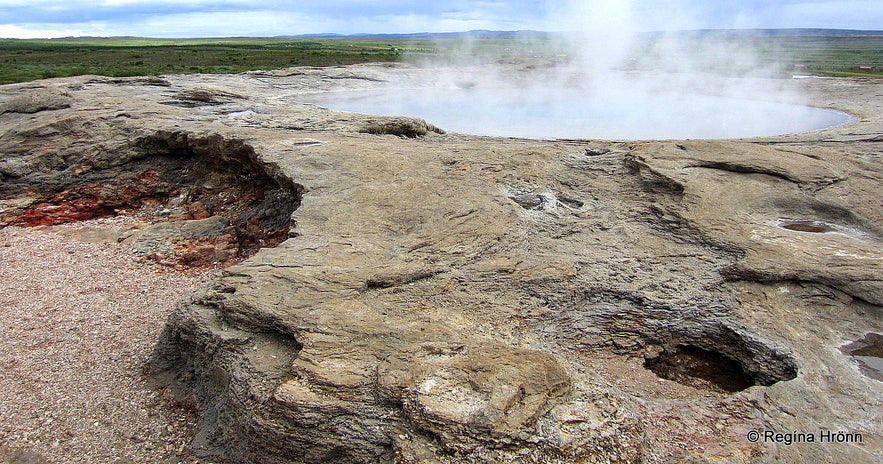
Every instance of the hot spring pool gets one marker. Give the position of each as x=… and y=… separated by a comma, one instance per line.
x=575, y=115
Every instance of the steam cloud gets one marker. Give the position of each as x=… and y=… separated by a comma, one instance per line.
x=601, y=76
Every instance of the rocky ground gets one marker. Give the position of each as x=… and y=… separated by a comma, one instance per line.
x=80, y=316
x=447, y=298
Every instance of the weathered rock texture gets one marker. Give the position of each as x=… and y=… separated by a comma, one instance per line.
x=436, y=297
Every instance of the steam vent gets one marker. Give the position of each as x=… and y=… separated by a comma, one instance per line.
x=392, y=292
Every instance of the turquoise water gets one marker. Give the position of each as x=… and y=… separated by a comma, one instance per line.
x=575, y=115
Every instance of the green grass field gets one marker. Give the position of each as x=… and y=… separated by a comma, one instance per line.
x=825, y=53
x=25, y=60
x=852, y=55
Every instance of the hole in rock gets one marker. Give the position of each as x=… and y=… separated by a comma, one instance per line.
x=815, y=227
x=868, y=352
x=699, y=368
x=571, y=203
x=307, y=143
x=528, y=200
x=201, y=200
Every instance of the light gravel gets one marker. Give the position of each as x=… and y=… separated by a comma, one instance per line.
x=79, y=316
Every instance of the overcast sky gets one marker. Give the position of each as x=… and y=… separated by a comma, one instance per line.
x=224, y=18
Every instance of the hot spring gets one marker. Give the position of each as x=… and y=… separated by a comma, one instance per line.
x=576, y=114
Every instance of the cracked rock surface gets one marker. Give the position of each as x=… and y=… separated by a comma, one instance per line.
x=401, y=294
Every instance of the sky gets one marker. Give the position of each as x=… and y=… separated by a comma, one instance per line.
x=226, y=18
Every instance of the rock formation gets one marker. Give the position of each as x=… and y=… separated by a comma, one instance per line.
x=398, y=294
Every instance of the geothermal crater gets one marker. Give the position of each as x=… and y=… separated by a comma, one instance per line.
x=204, y=200
x=574, y=113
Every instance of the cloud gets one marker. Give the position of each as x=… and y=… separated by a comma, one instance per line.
x=275, y=17
x=239, y=17
x=856, y=14
x=749, y=14
x=27, y=31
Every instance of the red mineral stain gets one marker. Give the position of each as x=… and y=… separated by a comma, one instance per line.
x=150, y=175
x=217, y=178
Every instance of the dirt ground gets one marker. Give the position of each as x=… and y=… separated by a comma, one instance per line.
x=80, y=316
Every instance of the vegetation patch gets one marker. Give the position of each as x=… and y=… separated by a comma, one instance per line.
x=779, y=52
x=27, y=60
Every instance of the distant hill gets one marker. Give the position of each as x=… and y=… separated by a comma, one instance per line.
x=479, y=33
x=771, y=33
x=482, y=33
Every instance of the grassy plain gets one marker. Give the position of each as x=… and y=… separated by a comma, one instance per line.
x=826, y=53
x=779, y=52
x=25, y=60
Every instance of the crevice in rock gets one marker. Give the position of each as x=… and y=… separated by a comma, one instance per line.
x=719, y=358
x=837, y=217
x=696, y=367
x=207, y=200
x=597, y=151
x=816, y=227
x=571, y=203
x=396, y=280
x=743, y=169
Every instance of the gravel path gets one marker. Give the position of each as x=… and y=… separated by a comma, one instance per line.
x=78, y=320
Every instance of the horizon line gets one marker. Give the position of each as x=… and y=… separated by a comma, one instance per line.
x=472, y=31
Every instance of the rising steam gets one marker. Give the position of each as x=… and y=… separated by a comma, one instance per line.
x=600, y=74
